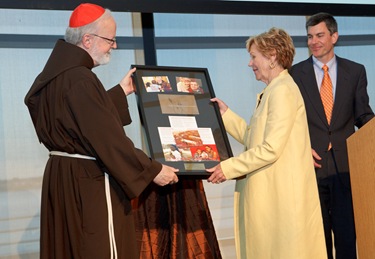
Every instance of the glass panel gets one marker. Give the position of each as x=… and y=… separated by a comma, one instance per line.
x=39, y=22
x=209, y=25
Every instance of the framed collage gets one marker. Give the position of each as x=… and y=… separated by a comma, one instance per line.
x=183, y=127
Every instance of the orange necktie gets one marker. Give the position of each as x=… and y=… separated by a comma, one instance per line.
x=326, y=94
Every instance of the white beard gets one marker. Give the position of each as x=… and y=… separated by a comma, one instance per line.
x=100, y=59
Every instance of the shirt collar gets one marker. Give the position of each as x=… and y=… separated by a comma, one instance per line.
x=330, y=63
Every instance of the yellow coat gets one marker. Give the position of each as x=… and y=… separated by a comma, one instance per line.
x=277, y=210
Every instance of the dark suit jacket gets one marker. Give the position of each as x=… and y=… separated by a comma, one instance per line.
x=351, y=107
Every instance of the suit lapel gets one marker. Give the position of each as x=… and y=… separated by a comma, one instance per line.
x=311, y=87
x=342, y=78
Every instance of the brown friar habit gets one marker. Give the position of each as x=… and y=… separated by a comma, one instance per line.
x=73, y=113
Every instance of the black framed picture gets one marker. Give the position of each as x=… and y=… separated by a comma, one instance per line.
x=183, y=127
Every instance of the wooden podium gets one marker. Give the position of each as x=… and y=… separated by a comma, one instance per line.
x=361, y=152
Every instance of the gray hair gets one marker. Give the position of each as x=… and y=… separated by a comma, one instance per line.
x=74, y=35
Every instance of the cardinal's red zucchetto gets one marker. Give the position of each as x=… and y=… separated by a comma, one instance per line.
x=84, y=14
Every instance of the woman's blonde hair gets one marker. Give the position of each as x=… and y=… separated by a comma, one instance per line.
x=274, y=42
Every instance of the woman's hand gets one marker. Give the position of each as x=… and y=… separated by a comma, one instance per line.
x=222, y=106
x=217, y=175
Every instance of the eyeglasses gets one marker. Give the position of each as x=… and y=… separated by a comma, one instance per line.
x=109, y=41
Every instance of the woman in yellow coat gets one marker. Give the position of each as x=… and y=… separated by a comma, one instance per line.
x=277, y=210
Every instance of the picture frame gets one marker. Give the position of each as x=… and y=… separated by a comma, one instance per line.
x=184, y=129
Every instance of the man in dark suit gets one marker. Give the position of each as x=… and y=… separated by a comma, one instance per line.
x=328, y=134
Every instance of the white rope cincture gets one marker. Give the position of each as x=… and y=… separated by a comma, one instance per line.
x=59, y=153
x=111, y=230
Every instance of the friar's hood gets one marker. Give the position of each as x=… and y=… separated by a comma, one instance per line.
x=63, y=57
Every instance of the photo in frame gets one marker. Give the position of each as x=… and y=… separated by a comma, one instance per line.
x=183, y=127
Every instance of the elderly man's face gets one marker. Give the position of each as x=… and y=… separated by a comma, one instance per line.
x=101, y=48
